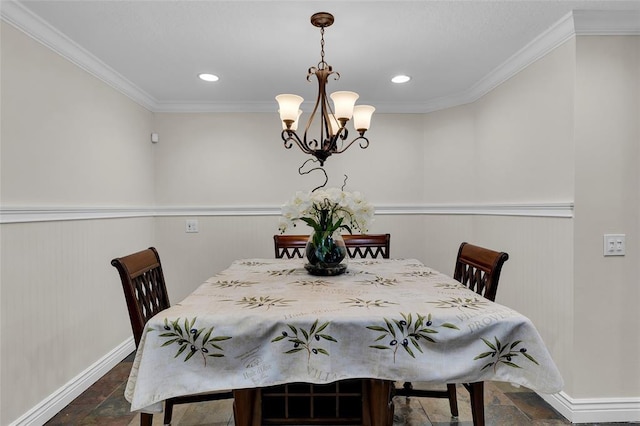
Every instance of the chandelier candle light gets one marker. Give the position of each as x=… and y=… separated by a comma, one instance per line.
x=332, y=121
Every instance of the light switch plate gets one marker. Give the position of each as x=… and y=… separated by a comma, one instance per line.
x=614, y=244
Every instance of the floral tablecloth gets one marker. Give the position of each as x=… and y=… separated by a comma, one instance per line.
x=264, y=322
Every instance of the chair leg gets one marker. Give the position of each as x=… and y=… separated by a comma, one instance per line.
x=168, y=411
x=146, y=419
x=476, y=393
x=453, y=399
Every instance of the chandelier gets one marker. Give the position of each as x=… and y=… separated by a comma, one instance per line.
x=333, y=131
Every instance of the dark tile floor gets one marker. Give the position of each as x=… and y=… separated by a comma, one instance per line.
x=104, y=404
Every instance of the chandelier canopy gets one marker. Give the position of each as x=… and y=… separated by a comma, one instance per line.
x=333, y=131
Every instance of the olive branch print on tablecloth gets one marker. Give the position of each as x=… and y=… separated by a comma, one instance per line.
x=253, y=263
x=281, y=272
x=460, y=303
x=187, y=336
x=312, y=283
x=405, y=333
x=232, y=283
x=450, y=285
x=381, y=281
x=418, y=273
x=356, y=302
x=304, y=340
x=253, y=302
x=504, y=353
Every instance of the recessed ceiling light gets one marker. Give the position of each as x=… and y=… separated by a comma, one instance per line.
x=401, y=79
x=208, y=77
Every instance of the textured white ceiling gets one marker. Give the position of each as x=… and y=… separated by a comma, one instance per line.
x=263, y=48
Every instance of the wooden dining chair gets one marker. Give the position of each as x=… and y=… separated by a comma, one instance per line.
x=146, y=294
x=478, y=268
x=358, y=245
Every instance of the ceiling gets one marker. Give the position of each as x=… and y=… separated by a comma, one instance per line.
x=154, y=50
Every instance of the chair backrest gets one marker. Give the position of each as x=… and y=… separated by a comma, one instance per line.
x=360, y=245
x=368, y=245
x=479, y=269
x=290, y=245
x=144, y=287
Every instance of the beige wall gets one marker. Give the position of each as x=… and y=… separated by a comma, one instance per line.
x=524, y=135
x=239, y=160
x=515, y=145
x=607, y=200
x=69, y=140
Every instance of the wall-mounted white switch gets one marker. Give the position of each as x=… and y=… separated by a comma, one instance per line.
x=614, y=244
x=191, y=226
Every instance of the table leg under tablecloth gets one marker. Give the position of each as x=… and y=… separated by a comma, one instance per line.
x=377, y=406
x=247, y=409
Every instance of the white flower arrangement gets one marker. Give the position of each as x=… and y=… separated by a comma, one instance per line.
x=328, y=210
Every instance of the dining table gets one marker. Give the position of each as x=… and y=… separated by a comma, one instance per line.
x=264, y=323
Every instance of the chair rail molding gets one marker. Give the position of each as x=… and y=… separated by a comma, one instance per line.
x=50, y=214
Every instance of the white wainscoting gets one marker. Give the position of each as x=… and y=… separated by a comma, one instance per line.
x=62, y=309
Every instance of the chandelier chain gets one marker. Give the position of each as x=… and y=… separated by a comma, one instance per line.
x=322, y=63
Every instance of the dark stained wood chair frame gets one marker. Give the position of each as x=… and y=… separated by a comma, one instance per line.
x=146, y=294
x=358, y=245
x=478, y=268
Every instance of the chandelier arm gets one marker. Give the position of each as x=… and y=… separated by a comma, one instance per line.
x=364, y=143
x=289, y=135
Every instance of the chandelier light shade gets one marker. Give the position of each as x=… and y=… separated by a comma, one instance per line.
x=332, y=119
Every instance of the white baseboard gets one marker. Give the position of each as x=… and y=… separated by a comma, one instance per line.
x=55, y=402
x=595, y=410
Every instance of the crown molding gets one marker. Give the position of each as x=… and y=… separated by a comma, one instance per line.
x=540, y=46
x=26, y=21
x=607, y=22
x=579, y=22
